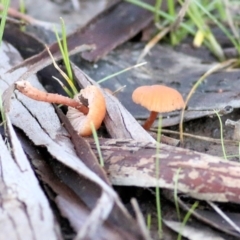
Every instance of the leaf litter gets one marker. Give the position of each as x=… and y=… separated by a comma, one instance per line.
x=220, y=181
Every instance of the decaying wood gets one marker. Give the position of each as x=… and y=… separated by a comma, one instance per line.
x=25, y=210
x=202, y=176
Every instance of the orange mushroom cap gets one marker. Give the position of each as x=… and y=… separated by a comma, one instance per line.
x=158, y=98
x=97, y=111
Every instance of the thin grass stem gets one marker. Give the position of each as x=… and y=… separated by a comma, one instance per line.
x=5, y=4
x=158, y=201
x=149, y=221
x=221, y=26
x=95, y=137
x=176, y=177
x=64, y=51
x=196, y=85
x=221, y=135
x=3, y=117
x=157, y=7
x=65, y=76
x=186, y=218
x=120, y=72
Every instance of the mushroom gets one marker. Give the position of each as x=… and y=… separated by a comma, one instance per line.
x=157, y=99
x=87, y=107
x=93, y=98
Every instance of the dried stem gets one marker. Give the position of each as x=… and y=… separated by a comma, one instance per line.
x=27, y=89
x=150, y=120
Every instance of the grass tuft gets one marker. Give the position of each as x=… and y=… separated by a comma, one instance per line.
x=200, y=14
x=65, y=55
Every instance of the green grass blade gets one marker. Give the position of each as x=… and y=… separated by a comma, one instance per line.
x=158, y=201
x=3, y=117
x=149, y=221
x=22, y=6
x=213, y=69
x=65, y=57
x=65, y=49
x=221, y=135
x=95, y=137
x=157, y=7
x=120, y=72
x=67, y=91
x=221, y=26
x=65, y=76
x=5, y=4
x=176, y=177
x=162, y=14
x=186, y=218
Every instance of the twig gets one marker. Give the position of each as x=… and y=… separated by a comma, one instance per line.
x=207, y=139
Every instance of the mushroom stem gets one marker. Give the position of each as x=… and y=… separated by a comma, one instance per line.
x=27, y=89
x=150, y=120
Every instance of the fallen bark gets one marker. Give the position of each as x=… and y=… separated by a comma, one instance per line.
x=132, y=163
x=25, y=210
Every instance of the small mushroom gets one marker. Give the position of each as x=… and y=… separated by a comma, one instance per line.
x=92, y=98
x=157, y=99
x=87, y=107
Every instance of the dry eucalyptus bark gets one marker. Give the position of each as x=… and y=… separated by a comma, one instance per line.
x=68, y=202
x=25, y=210
x=132, y=163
